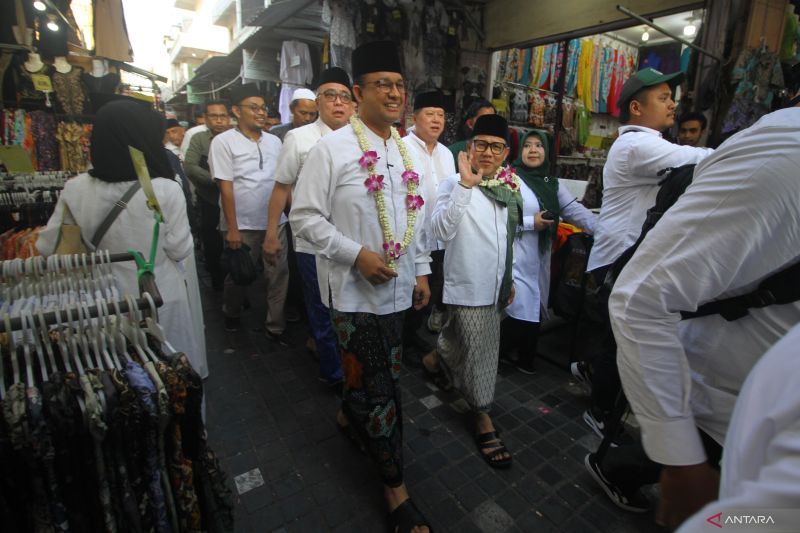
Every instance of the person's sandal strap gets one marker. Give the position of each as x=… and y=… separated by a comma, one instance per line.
x=406, y=517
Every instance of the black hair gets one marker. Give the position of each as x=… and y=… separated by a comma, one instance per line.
x=216, y=102
x=472, y=110
x=694, y=115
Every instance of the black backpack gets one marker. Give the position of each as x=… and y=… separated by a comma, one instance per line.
x=782, y=287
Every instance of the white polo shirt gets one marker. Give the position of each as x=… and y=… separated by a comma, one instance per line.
x=296, y=145
x=630, y=186
x=250, y=165
x=437, y=166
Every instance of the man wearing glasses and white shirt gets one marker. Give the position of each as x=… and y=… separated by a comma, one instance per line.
x=335, y=104
x=243, y=161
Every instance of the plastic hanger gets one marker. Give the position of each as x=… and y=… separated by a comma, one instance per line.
x=104, y=324
x=12, y=349
x=82, y=338
x=134, y=308
x=117, y=334
x=153, y=327
x=43, y=332
x=26, y=351
x=62, y=344
x=129, y=329
x=73, y=344
x=37, y=344
x=2, y=375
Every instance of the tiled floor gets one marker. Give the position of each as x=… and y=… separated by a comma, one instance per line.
x=272, y=422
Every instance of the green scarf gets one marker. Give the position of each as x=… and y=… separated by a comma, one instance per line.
x=545, y=188
x=513, y=202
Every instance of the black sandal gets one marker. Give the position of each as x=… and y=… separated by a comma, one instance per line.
x=491, y=441
x=406, y=517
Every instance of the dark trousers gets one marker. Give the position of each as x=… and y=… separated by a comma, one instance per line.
x=521, y=336
x=295, y=294
x=319, y=319
x=606, y=385
x=212, y=240
x=629, y=468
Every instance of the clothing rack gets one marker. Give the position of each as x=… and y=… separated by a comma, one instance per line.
x=147, y=284
x=533, y=89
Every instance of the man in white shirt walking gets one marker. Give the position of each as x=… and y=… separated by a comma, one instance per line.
x=437, y=162
x=356, y=202
x=242, y=161
x=630, y=185
x=335, y=104
x=478, y=230
x=682, y=377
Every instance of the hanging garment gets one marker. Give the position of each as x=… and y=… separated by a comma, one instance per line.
x=70, y=92
x=110, y=32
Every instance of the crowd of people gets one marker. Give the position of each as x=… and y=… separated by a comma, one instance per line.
x=389, y=233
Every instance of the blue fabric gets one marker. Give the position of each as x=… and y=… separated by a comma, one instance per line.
x=319, y=318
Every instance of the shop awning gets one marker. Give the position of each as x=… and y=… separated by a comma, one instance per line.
x=519, y=23
x=300, y=20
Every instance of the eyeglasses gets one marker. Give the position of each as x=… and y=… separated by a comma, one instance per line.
x=330, y=96
x=481, y=146
x=218, y=116
x=256, y=109
x=385, y=86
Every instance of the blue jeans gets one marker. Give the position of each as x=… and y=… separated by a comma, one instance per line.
x=319, y=319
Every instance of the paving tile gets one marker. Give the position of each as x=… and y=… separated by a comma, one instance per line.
x=513, y=503
x=248, y=481
x=267, y=411
x=491, y=518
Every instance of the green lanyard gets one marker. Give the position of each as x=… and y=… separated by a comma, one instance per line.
x=140, y=166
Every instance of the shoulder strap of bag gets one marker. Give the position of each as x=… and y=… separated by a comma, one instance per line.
x=778, y=289
x=112, y=215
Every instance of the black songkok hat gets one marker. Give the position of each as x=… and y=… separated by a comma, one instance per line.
x=173, y=123
x=491, y=125
x=377, y=56
x=241, y=92
x=335, y=75
x=429, y=99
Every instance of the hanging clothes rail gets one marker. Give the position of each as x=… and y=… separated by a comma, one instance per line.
x=147, y=284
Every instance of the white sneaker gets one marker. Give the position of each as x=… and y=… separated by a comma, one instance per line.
x=436, y=320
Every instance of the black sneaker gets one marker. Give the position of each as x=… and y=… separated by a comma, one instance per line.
x=597, y=424
x=581, y=372
x=232, y=323
x=277, y=338
x=634, y=502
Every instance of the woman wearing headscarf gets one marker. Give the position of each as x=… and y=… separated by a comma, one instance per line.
x=532, y=248
x=90, y=196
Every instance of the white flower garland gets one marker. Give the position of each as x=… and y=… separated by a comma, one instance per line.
x=374, y=184
x=505, y=176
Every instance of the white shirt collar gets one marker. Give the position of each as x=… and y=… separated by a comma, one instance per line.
x=422, y=144
x=324, y=129
x=623, y=129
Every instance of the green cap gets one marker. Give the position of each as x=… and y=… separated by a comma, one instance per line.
x=647, y=77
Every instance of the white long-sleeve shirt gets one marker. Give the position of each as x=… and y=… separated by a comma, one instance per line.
x=296, y=67
x=630, y=185
x=760, y=466
x=473, y=228
x=333, y=211
x=736, y=224
x=437, y=166
x=532, y=268
x=296, y=145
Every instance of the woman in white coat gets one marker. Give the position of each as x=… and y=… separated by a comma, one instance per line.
x=90, y=196
x=532, y=248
